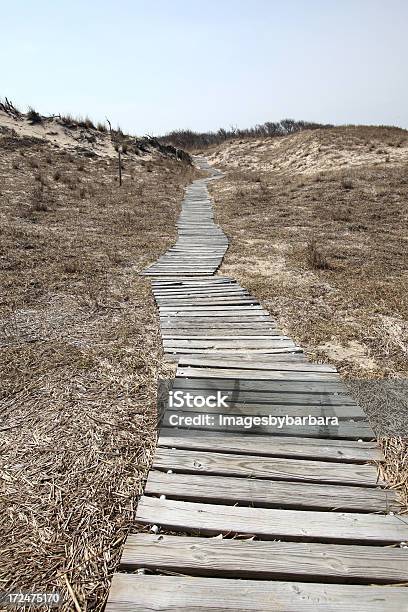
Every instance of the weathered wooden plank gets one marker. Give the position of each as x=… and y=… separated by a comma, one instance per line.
x=273, y=446
x=222, y=334
x=347, y=411
x=214, y=311
x=132, y=593
x=230, y=343
x=295, y=374
x=216, y=291
x=227, y=464
x=205, y=281
x=266, y=523
x=230, y=316
x=265, y=560
x=227, y=321
x=229, y=351
x=260, y=363
x=272, y=386
x=270, y=494
x=214, y=296
x=210, y=303
x=194, y=282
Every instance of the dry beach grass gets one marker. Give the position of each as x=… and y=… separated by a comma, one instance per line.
x=324, y=243
x=80, y=356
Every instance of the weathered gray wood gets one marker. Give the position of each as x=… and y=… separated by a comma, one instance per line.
x=132, y=593
x=251, y=374
x=214, y=311
x=346, y=411
x=204, y=301
x=216, y=291
x=254, y=364
x=270, y=494
x=231, y=343
x=227, y=464
x=273, y=446
x=235, y=323
x=218, y=334
x=266, y=560
x=276, y=386
x=229, y=351
x=206, y=316
x=270, y=524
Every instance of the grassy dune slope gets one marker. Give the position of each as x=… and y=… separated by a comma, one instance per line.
x=80, y=354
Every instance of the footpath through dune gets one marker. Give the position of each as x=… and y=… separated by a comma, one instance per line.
x=264, y=491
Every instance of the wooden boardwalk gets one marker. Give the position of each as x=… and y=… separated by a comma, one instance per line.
x=286, y=517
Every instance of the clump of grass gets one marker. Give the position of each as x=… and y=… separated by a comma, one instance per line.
x=315, y=257
x=395, y=468
x=38, y=203
x=347, y=183
x=74, y=122
x=72, y=267
x=33, y=116
x=86, y=123
x=101, y=127
x=357, y=227
x=67, y=120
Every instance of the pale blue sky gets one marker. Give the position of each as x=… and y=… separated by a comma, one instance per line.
x=157, y=65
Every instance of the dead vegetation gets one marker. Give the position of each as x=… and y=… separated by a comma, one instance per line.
x=395, y=467
x=80, y=356
x=322, y=243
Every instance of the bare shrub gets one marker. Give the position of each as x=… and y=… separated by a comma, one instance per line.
x=315, y=257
